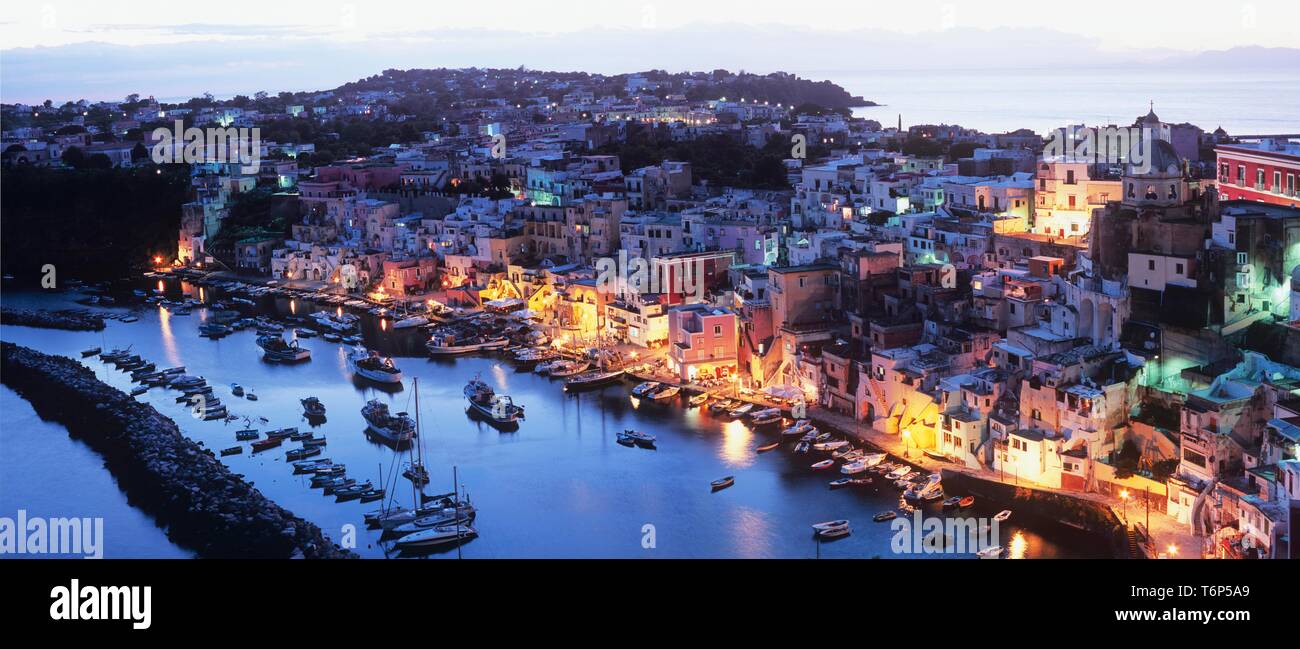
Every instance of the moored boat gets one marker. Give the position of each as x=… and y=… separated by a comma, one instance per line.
x=389, y=427
x=371, y=366
x=485, y=402
x=275, y=349
x=593, y=379
x=723, y=483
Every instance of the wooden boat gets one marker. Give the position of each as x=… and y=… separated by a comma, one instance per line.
x=312, y=407
x=665, y=391
x=832, y=445
x=834, y=533
x=841, y=483
x=698, y=399
x=723, y=483
x=766, y=416
x=824, y=464
x=263, y=444
x=799, y=429
x=246, y=434
x=952, y=503
x=885, y=516
x=233, y=450
x=966, y=502
x=89, y=352
x=639, y=438
x=593, y=379
x=768, y=447
x=1002, y=515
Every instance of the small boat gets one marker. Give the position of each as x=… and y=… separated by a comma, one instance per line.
x=593, y=379
x=802, y=447
x=372, y=495
x=1002, y=515
x=237, y=389
x=741, y=411
x=270, y=442
x=830, y=525
x=276, y=350
x=824, y=464
x=841, y=483
x=438, y=536
x=312, y=407
x=413, y=321
x=250, y=396
x=135, y=392
x=952, y=503
x=305, y=466
x=698, y=399
x=834, y=533
x=303, y=332
x=994, y=552
x=497, y=408
x=370, y=365
x=833, y=445
x=899, y=473
x=313, y=442
x=966, y=502
x=233, y=450
x=935, y=455
x=723, y=483
x=885, y=516
x=799, y=429
x=768, y=447
x=644, y=388
x=331, y=337
x=664, y=392
x=721, y=406
x=765, y=417
x=89, y=352
x=246, y=434
x=639, y=438
x=565, y=369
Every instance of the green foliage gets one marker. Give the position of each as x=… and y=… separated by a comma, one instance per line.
x=718, y=159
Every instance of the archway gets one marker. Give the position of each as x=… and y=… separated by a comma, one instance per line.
x=1085, y=324
x=1105, y=324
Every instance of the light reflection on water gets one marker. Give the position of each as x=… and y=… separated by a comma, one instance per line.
x=737, y=448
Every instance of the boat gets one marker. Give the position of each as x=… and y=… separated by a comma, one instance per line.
x=664, y=392
x=722, y=405
x=89, y=352
x=842, y=482
x=275, y=349
x=331, y=337
x=824, y=464
x=301, y=453
x=305, y=466
x=644, y=388
x=833, y=445
x=237, y=389
x=765, y=417
x=250, y=395
x=802, y=447
x=994, y=552
x=768, y=447
x=372, y=495
x=624, y=439
x=413, y=321
x=213, y=330
x=246, y=434
x=885, y=516
x=741, y=411
x=438, y=536
x=233, y=450
x=497, y=408
x=264, y=444
x=848, y=454
x=830, y=525
x=115, y=355
x=1002, y=515
x=565, y=369
x=966, y=502
x=855, y=467
x=723, y=483
x=952, y=503
x=698, y=399
x=899, y=473
x=451, y=345
x=935, y=455
x=834, y=533
x=303, y=332
x=593, y=379
x=392, y=428
x=312, y=407
x=639, y=438
x=312, y=442
x=799, y=429
x=370, y=365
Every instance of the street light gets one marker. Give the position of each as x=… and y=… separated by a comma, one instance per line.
x=1123, y=496
x=907, y=442
x=1172, y=550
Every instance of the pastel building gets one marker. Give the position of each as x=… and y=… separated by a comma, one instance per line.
x=703, y=341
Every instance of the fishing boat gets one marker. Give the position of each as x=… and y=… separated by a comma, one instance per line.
x=723, y=483
x=451, y=345
x=885, y=516
x=765, y=417
x=246, y=434
x=644, y=388
x=830, y=525
x=768, y=447
x=834, y=533
x=391, y=428
x=312, y=407
x=824, y=464
x=89, y=352
x=413, y=321
x=268, y=443
x=899, y=473
x=639, y=438
x=301, y=453
x=275, y=349
x=370, y=365
x=698, y=399
x=1002, y=515
x=593, y=379
x=497, y=408
x=233, y=450
x=741, y=411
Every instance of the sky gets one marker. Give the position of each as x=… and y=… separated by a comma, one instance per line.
x=101, y=50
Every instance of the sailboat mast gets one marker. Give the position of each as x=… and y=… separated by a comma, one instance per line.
x=415, y=490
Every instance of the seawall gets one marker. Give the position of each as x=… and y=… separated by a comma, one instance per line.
x=203, y=505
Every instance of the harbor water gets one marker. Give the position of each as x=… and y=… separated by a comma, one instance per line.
x=558, y=487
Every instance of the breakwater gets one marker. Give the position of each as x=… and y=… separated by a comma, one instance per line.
x=70, y=320
x=201, y=502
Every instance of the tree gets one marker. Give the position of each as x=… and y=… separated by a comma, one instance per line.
x=74, y=157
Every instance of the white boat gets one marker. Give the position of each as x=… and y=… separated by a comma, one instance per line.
x=830, y=525
x=370, y=365
x=994, y=552
x=565, y=369
x=449, y=345
x=799, y=429
x=413, y=321
x=593, y=379
x=1002, y=515
x=897, y=474
x=765, y=416
x=438, y=536
x=641, y=389
x=665, y=392
x=830, y=446
x=834, y=533
x=741, y=411
x=275, y=349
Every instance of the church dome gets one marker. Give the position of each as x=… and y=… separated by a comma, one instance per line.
x=1159, y=159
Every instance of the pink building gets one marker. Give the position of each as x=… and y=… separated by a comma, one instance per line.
x=703, y=340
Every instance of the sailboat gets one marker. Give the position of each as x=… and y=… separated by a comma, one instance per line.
x=416, y=473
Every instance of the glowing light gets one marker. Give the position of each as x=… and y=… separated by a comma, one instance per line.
x=1018, y=546
x=1123, y=494
x=1172, y=550
x=737, y=444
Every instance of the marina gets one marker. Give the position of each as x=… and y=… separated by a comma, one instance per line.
x=561, y=485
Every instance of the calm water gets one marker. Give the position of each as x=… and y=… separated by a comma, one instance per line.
x=1243, y=103
x=559, y=487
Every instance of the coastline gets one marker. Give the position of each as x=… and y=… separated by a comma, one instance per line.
x=41, y=318
x=180, y=483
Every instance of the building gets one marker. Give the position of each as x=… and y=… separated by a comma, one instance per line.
x=1266, y=170
x=703, y=341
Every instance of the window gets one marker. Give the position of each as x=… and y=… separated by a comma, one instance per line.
x=717, y=330
x=1178, y=268
x=1151, y=264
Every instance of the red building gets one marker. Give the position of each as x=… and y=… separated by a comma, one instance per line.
x=1266, y=171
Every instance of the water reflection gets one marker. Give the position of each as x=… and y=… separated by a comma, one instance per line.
x=1018, y=546
x=737, y=448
